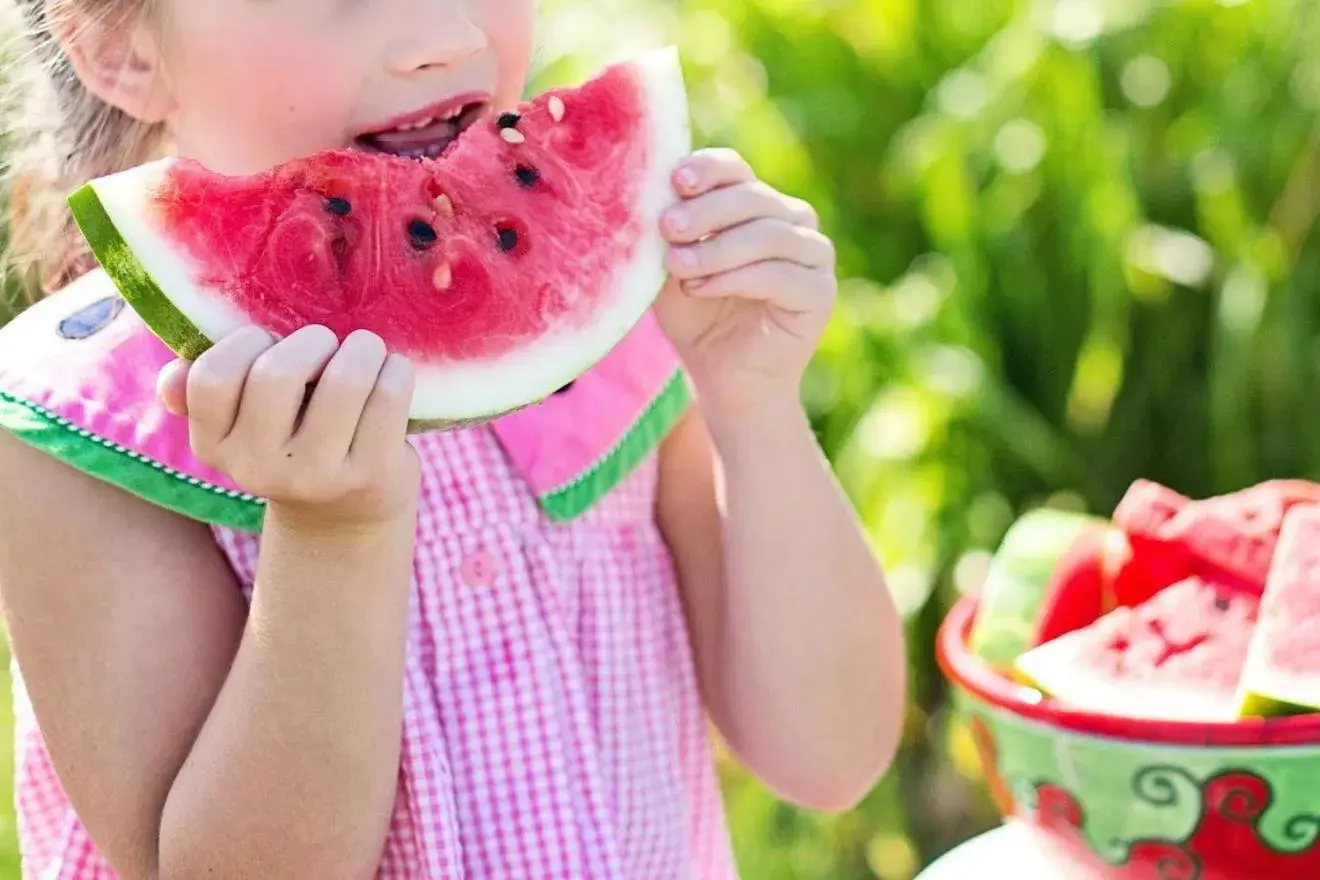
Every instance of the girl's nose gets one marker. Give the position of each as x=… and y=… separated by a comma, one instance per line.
x=442, y=33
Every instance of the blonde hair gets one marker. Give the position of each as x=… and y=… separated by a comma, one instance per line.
x=60, y=135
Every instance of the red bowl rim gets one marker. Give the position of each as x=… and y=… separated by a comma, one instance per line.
x=982, y=681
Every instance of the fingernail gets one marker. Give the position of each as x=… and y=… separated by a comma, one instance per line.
x=678, y=220
x=687, y=177
x=685, y=257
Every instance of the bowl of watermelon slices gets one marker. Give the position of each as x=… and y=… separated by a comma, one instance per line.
x=1145, y=688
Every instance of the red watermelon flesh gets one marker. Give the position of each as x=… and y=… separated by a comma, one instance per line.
x=1082, y=583
x=504, y=268
x=1230, y=538
x=1147, y=506
x=1235, y=535
x=1154, y=562
x=1177, y=656
x=1283, y=670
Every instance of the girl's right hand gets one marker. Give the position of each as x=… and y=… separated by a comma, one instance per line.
x=340, y=461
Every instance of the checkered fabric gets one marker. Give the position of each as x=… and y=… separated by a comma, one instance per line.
x=552, y=729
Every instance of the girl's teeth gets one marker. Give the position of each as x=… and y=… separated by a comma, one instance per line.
x=430, y=120
x=414, y=126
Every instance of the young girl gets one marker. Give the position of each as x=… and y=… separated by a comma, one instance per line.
x=250, y=645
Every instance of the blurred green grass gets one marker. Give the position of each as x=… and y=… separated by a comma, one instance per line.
x=1077, y=247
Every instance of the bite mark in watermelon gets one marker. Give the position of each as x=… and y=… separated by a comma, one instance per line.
x=1177, y=656
x=1282, y=674
x=504, y=269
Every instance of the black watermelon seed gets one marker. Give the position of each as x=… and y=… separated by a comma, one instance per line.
x=337, y=206
x=528, y=177
x=421, y=234
x=508, y=238
x=565, y=389
x=507, y=120
x=1222, y=603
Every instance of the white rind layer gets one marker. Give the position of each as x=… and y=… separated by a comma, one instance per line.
x=473, y=389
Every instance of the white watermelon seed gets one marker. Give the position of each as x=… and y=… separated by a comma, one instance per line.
x=512, y=135
x=444, y=205
x=556, y=107
x=443, y=277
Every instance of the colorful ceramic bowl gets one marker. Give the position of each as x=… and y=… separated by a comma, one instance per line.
x=1144, y=800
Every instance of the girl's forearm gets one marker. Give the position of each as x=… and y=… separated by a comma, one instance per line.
x=293, y=773
x=812, y=645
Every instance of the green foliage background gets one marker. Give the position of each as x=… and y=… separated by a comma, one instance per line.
x=1076, y=246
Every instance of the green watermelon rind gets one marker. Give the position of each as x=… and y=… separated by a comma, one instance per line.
x=1018, y=581
x=131, y=278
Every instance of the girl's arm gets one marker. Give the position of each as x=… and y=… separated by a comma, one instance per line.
x=195, y=741
x=190, y=744
x=799, y=648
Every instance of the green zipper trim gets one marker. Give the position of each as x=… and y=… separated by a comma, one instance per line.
x=135, y=473
x=584, y=490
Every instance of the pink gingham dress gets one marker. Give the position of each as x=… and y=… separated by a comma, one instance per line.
x=552, y=727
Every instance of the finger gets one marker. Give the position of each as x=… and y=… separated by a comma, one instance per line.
x=710, y=169
x=753, y=242
x=731, y=206
x=384, y=422
x=789, y=286
x=277, y=386
x=215, y=385
x=335, y=408
x=172, y=386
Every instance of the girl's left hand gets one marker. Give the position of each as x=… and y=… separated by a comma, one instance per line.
x=752, y=282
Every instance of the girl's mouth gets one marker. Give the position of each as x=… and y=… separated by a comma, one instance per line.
x=424, y=136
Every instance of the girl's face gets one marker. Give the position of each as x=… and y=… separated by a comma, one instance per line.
x=252, y=83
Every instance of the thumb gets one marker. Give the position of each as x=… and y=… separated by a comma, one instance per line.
x=172, y=386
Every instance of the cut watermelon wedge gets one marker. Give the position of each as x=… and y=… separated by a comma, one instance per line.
x=1282, y=675
x=1234, y=536
x=1048, y=571
x=504, y=269
x=1178, y=656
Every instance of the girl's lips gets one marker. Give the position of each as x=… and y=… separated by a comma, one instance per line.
x=445, y=109
x=425, y=133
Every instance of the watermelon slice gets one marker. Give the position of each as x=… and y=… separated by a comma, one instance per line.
x=1155, y=561
x=1048, y=575
x=504, y=269
x=1282, y=675
x=1235, y=535
x=1230, y=538
x=1178, y=656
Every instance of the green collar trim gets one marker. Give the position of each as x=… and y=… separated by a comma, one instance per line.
x=651, y=426
x=135, y=473
x=216, y=505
